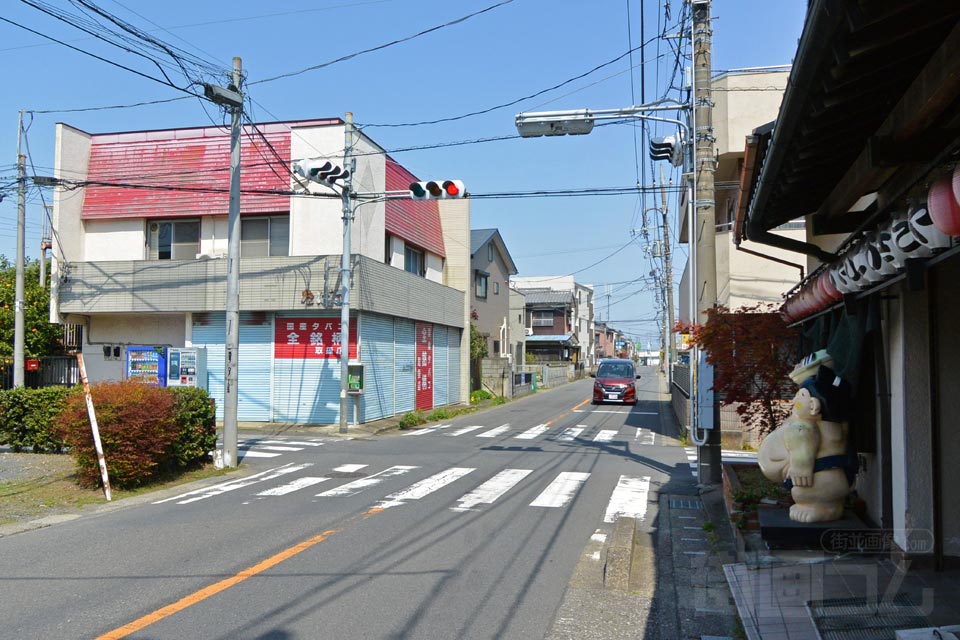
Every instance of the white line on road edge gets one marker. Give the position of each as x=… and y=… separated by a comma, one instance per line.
x=629, y=498
x=491, y=490
x=270, y=447
x=494, y=432
x=247, y=453
x=599, y=411
x=561, y=490
x=296, y=485
x=223, y=487
x=570, y=434
x=424, y=487
x=355, y=487
x=532, y=432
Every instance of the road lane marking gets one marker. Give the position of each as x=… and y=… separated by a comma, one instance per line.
x=581, y=404
x=423, y=488
x=570, y=434
x=561, y=490
x=244, y=452
x=349, y=468
x=605, y=435
x=460, y=432
x=269, y=447
x=214, y=589
x=420, y=432
x=491, y=490
x=494, y=432
x=296, y=485
x=599, y=411
x=355, y=487
x=298, y=443
x=532, y=432
x=231, y=485
x=629, y=498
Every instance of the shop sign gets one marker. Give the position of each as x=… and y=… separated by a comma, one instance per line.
x=311, y=338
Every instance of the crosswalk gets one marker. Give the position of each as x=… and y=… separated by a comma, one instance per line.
x=727, y=455
x=399, y=485
x=273, y=447
x=579, y=433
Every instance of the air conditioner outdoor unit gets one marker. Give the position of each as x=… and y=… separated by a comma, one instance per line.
x=528, y=331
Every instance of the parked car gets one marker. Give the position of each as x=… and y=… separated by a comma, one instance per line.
x=616, y=381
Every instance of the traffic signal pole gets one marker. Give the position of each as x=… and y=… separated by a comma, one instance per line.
x=18, y=301
x=350, y=164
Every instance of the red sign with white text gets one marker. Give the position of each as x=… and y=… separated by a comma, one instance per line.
x=424, y=368
x=299, y=338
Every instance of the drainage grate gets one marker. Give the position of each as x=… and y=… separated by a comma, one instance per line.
x=863, y=619
x=681, y=503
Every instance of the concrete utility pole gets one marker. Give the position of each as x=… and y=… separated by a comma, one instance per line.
x=232, y=344
x=18, y=319
x=669, y=348
x=350, y=164
x=706, y=226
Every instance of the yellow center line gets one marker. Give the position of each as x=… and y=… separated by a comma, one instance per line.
x=581, y=404
x=214, y=589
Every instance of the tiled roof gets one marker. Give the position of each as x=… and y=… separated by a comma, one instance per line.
x=480, y=237
x=544, y=296
x=415, y=221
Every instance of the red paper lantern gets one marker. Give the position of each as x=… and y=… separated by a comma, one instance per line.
x=943, y=206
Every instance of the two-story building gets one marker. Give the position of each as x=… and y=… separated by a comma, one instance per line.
x=492, y=267
x=580, y=323
x=139, y=258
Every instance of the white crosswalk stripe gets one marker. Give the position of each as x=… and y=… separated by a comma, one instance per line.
x=561, y=490
x=605, y=435
x=532, y=432
x=245, y=452
x=569, y=435
x=292, y=443
x=420, y=432
x=355, y=487
x=496, y=431
x=460, y=432
x=290, y=487
x=423, y=488
x=629, y=498
x=233, y=485
x=492, y=489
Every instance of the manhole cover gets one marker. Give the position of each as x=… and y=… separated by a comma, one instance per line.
x=865, y=619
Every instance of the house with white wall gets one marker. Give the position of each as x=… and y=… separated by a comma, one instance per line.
x=139, y=258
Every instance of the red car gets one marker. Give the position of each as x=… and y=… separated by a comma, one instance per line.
x=616, y=381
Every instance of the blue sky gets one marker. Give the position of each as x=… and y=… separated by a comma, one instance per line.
x=506, y=53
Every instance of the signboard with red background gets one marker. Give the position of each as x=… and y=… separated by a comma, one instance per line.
x=311, y=338
x=424, y=368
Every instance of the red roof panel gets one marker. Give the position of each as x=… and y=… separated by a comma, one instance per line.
x=415, y=221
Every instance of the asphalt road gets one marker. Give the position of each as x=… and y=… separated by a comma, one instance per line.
x=468, y=529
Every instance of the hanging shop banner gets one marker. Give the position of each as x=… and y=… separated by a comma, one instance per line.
x=299, y=338
x=424, y=368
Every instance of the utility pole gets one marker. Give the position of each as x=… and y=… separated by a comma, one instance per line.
x=350, y=165
x=18, y=319
x=704, y=234
x=232, y=98
x=668, y=267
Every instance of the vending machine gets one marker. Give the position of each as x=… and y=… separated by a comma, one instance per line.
x=186, y=367
x=147, y=365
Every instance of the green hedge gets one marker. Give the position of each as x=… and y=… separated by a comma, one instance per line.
x=26, y=416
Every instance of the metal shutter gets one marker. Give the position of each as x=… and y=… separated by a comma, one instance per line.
x=440, y=366
x=306, y=391
x=376, y=354
x=405, y=373
x=453, y=361
x=254, y=361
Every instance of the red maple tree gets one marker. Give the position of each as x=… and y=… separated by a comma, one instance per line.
x=751, y=350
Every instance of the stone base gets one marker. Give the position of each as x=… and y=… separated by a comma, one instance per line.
x=847, y=534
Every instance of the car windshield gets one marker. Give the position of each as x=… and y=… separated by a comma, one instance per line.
x=615, y=370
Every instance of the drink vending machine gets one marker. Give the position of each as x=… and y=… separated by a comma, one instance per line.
x=168, y=366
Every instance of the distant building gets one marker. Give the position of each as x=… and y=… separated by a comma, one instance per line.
x=490, y=299
x=581, y=312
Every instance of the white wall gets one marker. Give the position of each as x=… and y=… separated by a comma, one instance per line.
x=743, y=102
x=73, y=150
x=125, y=330
x=434, y=267
x=122, y=239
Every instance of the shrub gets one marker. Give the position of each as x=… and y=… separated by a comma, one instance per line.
x=196, y=418
x=479, y=395
x=26, y=416
x=440, y=414
x=412, y=419
x=137, y=428
x=498, y=401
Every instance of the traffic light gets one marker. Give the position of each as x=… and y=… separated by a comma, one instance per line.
x=666, y=148
x=437, y=190
x=319, y=170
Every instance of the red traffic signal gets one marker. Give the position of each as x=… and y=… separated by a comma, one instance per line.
x=437, y=190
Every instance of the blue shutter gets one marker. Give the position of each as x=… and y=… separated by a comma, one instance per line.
x=440, y=366
x=453, y=362
x=376, y=354
x=253, y=369
x=405, y=373
x=306, y=391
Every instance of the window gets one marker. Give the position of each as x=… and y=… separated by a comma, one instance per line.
x=173, y=239
x=387, y=251
x=413, y=261
x=543, y=318
x=262, y=237
x=489, y=253
x=481, y=282
x=496, y=347
x=496, y=288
